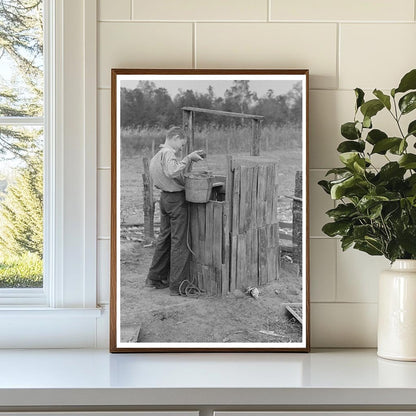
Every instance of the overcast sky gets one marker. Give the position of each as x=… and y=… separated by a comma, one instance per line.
x=280, y=87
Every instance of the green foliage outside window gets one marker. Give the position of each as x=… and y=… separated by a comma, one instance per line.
x=21, y=147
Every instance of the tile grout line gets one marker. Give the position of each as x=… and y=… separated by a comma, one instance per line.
x=194, y=45
x=269, y=11
x=344, y=303
x=338, y=63
x=336, y=271
x=307, y=22
x=131, y=9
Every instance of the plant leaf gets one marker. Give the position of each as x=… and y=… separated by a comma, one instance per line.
x=346, y=242
x=339, y=189
x=367, y=248
x=367, y=122
x=385, y=144
x=359, y=94
x=371, y=108
x=348, y=158
x=407, y=240
x=408, y=82
x=336, y=228
x=375, y=212
x=338, y=171
x=375, y=136
x=349, y=146
x=385, y=99
x=325, y=186
x=408, y=102
x=349, y=131
x=408, y=161
x=411, y=130
x=342, y=211
x=391, y=170
x=369, y=201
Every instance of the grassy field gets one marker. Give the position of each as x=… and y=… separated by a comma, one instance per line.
x=214, y=140
x=24, y=271
x=283, y=144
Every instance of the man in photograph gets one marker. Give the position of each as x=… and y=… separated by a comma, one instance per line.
x=170, y=264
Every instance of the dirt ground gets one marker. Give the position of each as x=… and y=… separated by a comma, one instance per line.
x=157, y=317
x=151, y=315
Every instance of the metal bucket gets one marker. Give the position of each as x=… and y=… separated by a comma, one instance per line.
x=198, y=186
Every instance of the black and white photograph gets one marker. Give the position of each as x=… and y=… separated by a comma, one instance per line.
x=209, y=213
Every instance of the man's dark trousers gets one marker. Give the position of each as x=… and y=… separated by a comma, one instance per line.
x=171, y=258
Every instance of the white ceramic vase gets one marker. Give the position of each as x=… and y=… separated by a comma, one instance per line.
x=397, y=312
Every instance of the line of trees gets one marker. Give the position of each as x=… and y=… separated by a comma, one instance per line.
x=150, y=106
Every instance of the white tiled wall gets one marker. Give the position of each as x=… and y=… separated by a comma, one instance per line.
x=345, y=44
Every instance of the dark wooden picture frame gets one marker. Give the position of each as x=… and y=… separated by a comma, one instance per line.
x=246, y=262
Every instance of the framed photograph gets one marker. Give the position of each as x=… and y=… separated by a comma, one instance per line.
x=209, y=211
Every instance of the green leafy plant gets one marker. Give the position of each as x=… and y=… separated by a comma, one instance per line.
x=376, y=210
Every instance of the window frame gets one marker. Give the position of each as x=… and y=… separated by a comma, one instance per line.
x=68, y=302
x=38, y=296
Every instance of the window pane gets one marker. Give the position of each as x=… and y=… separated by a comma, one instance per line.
x=21, y=147
x=21, y=208
x=21, y=58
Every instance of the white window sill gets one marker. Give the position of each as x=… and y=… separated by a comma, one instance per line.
x=40, y=327
x=40, y=311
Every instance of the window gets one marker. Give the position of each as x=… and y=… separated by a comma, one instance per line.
x=64, y=312
x=22, y=143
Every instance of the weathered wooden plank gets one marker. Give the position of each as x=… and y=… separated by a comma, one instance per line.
x=255, y=258
x=200, y=281
x=277, y=259
x=262, y=256
x=225, y=278
x=243, y=198
x=241, y=262
x=246, y=160
x=201, y=213
x=269, y=193
x=283, y=224
x=255, y=147
x=217, y=244
x=261, y=188
x=227, y=218
x=236, y=201
x=276, y=234
x=247, y=258
x=193, y=238
x=213, y=281
x=148, y=202
x=269, y=234
x=233, y=262
x=297, y=233
x=205, y=279
x=209, y=221
x=271, y=270
x=249, y=198
x=254, y=197
x=276, y=194
x=223, y=113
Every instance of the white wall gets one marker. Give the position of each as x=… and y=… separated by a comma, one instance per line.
x=345, y=44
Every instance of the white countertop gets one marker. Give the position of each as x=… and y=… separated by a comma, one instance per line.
x=96, y=377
